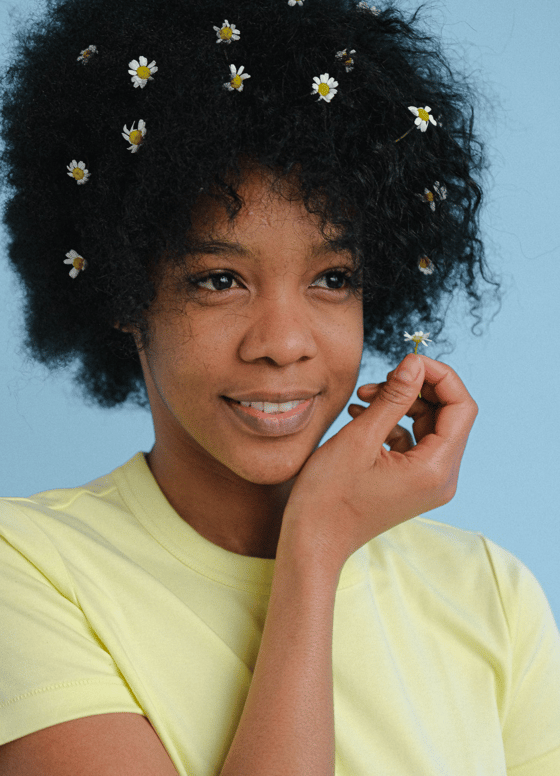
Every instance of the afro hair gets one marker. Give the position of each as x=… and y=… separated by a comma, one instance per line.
x=396, y=190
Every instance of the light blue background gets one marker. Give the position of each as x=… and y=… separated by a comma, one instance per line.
x=508, y=486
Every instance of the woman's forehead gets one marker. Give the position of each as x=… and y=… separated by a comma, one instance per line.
x=268, y=203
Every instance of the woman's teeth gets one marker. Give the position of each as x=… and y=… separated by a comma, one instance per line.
x=272, y=409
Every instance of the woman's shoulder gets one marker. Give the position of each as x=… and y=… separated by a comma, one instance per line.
x=63, y=500
x=43, y=524
x=453, y=558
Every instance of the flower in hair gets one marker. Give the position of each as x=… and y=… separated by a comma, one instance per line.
x=227, y=32
x=440, y=190
x=295, y=2
x=237, y=78
x=325, y=87
x=372, y=8
x=77, y=170
x=346, y=58
x=423, y=117
x=135, y=136
x=86, y=54
x=430, y=196
x=425, y=265
x=141, y=72
x=78, y=263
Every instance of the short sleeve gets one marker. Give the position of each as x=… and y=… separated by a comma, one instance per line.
x=531, y=722
x=54, y=668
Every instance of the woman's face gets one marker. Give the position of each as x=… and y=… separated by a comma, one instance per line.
x=277, y=323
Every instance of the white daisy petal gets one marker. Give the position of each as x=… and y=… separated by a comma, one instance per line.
x=78, y=263
x=143, y=61
x=134, y=64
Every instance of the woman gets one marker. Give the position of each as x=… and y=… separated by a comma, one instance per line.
x=239, y=600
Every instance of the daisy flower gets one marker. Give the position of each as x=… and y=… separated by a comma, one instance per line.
x=141, y=72
x=86, y=54
x=425, y=265
x=236, y=80
x=325, y=87
x=227, y=32
x=135, y=136
x=418, y=337
x=372, y=8
x=441, y=191
x=295, y=2
x=430, y=196
x=346, y=58
x=78, y=263
x=77, y=170
x=423, y=117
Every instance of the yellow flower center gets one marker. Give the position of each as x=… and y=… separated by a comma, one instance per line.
x=236, y=81
x=417, y=339
x=144, y=73
x=323, y=89
x=423, y=115
x=78, y=263
x=424, y=262
x=87, y=53
x=226, y=33
x=430, y=196
x=135, y=137
x=78, y=173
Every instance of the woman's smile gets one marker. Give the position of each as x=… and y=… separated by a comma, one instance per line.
x=273, y=424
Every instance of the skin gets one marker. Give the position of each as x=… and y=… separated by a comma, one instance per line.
x=280, y=324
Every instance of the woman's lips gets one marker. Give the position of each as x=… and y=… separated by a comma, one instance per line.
x=279, y=424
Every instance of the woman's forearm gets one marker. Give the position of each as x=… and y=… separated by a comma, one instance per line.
x=287, y=725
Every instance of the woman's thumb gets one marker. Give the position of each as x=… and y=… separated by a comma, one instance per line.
x=393, y=399
x=398, y=392
x=409, y=369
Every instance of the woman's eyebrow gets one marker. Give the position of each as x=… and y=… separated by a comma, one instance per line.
x=219, y=245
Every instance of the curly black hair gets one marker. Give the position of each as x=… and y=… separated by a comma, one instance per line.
x=395, y=190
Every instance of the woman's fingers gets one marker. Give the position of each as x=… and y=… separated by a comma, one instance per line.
x=399, y=439
x=446, y=408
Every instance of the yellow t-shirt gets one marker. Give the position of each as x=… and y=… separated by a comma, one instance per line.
x=446, y=656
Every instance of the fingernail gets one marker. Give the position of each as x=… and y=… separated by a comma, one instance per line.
x=408, y=370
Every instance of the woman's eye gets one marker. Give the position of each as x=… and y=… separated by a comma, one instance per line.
x=219, y=280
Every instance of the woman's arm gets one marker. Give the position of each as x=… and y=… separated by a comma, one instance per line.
x=349, y=491
x=287, y=725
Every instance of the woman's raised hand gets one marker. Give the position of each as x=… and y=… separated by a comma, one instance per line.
x=351, y=489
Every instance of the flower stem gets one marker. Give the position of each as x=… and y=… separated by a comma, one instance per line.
x=416, y=352
x=405, y=134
